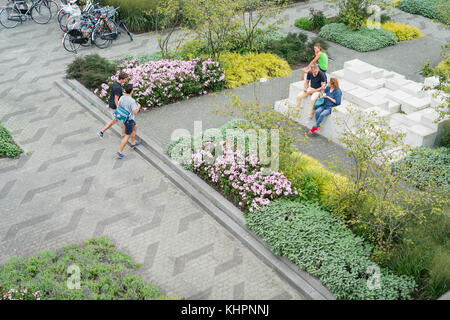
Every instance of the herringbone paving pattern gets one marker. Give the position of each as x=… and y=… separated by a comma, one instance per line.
x=72, y=188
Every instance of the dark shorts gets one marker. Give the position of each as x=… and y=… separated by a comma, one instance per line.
x=322, y=70
x=129, y=126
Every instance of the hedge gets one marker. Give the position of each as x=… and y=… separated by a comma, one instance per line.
x=402, y=31
x=426, y=8
x=362, y=40
x=323, y=246
x=8, y=149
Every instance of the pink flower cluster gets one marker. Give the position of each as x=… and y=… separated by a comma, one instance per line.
x=13, y=294
x=160, y=82
x=242, y=176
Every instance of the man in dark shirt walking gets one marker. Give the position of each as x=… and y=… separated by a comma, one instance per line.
x=116, y=93
x=316, y=81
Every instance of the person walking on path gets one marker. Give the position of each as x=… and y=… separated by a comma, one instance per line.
x=316, y=81
x=116, y=93
x=320, y=57
x=332, y=98
x=129, y=104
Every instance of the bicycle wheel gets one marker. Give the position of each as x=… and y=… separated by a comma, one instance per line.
x=41, y=14
x=69, y=45
x=9, y=17
x=63, y=21
x=99, y=36
x=53, y=6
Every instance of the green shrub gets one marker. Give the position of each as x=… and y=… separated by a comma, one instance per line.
x=445, y=137
x=105, y=273
x=353, y=13
x=303, y=23
x=426, y=256
x=362, y=40
x=317, y=18
x=323, y=246
x=245, y=69
x=291, y=48
x=426, y=8
x=426, y=167
x=8, y=148
x=91, y=70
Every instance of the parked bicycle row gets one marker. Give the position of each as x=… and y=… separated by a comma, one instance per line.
x=83, y=24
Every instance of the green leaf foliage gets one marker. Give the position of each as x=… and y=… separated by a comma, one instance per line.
x=362, y=40
x=91, y=70
x=323, y=246
x=8, y=149
x=426, y=167
x=105, y=273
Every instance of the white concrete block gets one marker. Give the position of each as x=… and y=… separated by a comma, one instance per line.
x=377, y=73
x=413, y=104
x=345, y=85
x=388, y=74
x=420, y=135
x=356, y=96
x=355, y=63
x=372, y=83
x=382, y=92
x=392, y=107
x=396, y=83
x=338, y=74
x=356, y=74
x=295, y=89
x=374, y=100
x=379, y=112
x=414, y=89
x=398, y=96
x=431, y=81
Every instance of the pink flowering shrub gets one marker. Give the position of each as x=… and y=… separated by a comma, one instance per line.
x=161, y=82
x=22, y=294
x=242, y=177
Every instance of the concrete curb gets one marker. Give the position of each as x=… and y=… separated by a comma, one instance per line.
x=205, y=196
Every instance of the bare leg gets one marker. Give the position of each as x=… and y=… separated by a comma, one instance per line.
x=123, y=130
x=133, y=135
x=108, y=125
x=124, y=142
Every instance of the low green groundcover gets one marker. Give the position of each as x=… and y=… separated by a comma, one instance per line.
x=426, y=167
x=433, y=9
x=8, y=149
x=323, y=246
x=362, y=40
x=105, y=273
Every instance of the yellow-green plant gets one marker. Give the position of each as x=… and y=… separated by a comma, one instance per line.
x=402, y=31
x=245, y=69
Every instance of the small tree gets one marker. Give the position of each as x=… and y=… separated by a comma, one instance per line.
x=168, y=17
x=257, y=13
x=379, y=204
x=442, y=87
x=215, y=22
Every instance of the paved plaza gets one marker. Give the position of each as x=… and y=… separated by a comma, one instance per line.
x=68, y=187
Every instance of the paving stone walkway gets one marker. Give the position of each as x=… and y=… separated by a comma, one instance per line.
x=71, y=187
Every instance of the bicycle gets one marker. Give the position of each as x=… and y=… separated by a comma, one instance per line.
x=53, y=6
x=79, y=34
x=121, y=23
x=105, y=30
x=19, y=11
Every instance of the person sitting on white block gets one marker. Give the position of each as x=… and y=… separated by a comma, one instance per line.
x=332, y=98
x=316, y=81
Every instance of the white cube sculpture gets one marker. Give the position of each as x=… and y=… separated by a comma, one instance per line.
x=403, y=103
